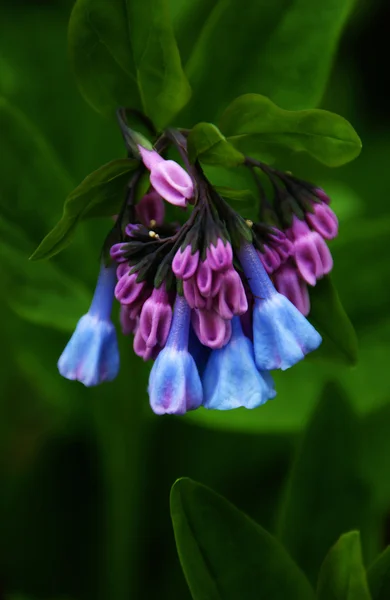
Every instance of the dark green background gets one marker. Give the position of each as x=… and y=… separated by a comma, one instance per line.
x=85, y=474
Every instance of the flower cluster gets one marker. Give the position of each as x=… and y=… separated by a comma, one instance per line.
x=217, y=302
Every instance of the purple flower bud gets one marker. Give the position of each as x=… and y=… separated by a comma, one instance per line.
x=290, y=284
x=323, y=221
x=204, y=278
x=321, y=195
x=130, y=228
x=270, y=259
x=211, y=329
x=122, y=269
x=192, y=294
x=127, y=290
x=280, y=243
x=91, y=355
x=185, y=262
x=117, y=252
x=168, y=178
x=128, y=324
x=231, y=297
x=142, y=350
x=150, y=209
x=311, y=253
x=156, y=317
x=174, y=383
x=220, y=257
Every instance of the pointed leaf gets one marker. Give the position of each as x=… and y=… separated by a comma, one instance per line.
x=326, y=493
x=100, y=194
x=124, y=53
x=233, y=43
x=379, y=576
x=161, y=80
x=342, y=575
x=252, y=119
x=101, y=55
x=41, y=293
x=225, y=555
x=207, y=144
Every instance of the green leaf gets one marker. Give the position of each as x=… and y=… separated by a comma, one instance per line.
x=329, y=317
x=101, y=55
x=207, y=144
x=342, y=575
x=124, y=53
x=161, y=80
x=252, y=119
x=225, y=555
x=39, y=174
x=326, y=494
x=41, y=293
x=378, y=576
x=100, y=194
x=301, y=36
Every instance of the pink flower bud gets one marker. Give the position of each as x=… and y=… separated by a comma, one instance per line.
x=156, y=318
x=127, y=290
x=231, y=298
x=212, y=331
x=270, y=259
x=185, y=262
x=323, y=221
x=311, y=253
x=220, y=257
x=128, y=325
x=168, y=178
x=290, y=284
x=204, y=278
x=192, y=295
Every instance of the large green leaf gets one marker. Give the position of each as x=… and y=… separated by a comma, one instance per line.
x=235, y=44
x=41, y=293
x=29, y=171
x=326, y=494
x=252, y=119
x=329, y=317
x=225, y=555
x=124, y=54
x=100, y=194
x=207, y=144
x=342, y=575
x=378, y=576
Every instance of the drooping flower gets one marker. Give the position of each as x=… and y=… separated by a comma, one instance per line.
x=231, y=378
x=91, y=355
x=174, y=384
x=282, y=336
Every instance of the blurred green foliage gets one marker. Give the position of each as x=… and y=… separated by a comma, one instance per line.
x=85, y=474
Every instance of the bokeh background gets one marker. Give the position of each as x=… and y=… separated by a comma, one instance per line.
x=85, y=474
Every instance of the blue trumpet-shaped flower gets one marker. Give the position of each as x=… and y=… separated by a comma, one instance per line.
x=91, y=355
x=174, y=383
x=282, y=336
x=231, y=379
